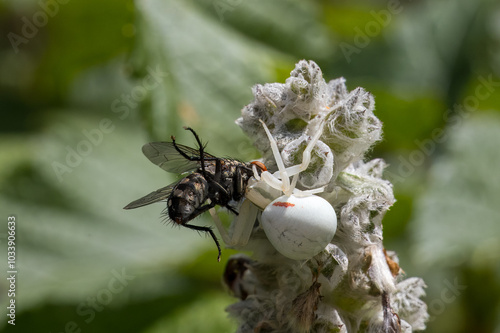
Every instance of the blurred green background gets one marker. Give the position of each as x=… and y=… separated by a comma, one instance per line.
x=84, y=84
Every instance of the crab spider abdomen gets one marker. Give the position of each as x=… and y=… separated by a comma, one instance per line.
x=299, y=227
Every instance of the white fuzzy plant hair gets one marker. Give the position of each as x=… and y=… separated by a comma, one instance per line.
x=351, y=283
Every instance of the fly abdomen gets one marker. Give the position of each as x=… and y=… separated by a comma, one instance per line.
x=187, y=197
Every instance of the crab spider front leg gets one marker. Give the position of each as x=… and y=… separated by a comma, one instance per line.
x=298, y=224
x=285, y=173
x=306, y=158
x=306, y=155
x=284, y=185
x=241, y=227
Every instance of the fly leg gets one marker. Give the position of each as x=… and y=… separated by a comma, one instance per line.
x=204, y=229
x=240, y=182
x=222, y=196
x=215, y=179
x=202, y=158
x=201, y=147
x=210, y=231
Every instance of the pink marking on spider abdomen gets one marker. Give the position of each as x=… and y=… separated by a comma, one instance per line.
x=283, y=204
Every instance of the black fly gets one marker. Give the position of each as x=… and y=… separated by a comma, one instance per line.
x=212, y=181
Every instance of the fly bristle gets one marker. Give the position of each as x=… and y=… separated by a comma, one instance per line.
x=165, y=218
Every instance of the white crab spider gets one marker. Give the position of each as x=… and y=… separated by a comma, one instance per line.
x=298, y=224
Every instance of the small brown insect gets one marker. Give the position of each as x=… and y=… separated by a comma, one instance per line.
x=213, y=181
x=234, y=276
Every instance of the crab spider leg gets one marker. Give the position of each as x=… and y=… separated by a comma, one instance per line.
x=272, y=181
x=294, y=181
x=306, y=155
x=242, y=226
x=277, y=156
x=306, y=159
x=305, y=193
x=220, y=227
x=294, y=171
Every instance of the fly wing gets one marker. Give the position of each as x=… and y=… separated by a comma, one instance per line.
x=158, y=195
x=164, y=155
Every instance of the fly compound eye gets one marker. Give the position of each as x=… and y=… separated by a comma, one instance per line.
x=180, y=210
x=299, y=227
x=186, y=208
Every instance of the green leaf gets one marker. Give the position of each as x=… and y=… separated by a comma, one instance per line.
x=82, y=34
x=456, y=218
x=205, y=315
x=72, y=231
x=211, y=63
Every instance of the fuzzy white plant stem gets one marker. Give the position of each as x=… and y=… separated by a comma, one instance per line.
x=353, y=284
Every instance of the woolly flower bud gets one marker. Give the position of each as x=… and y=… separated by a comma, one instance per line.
x=293, y=109
x=352, y=284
